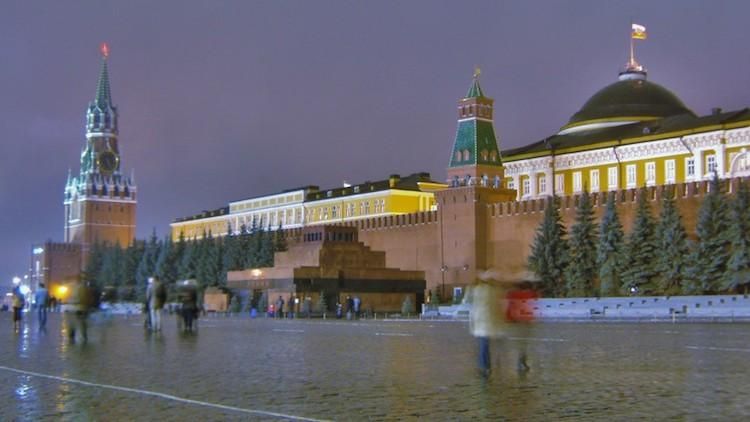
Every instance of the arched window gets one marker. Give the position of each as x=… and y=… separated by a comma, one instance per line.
x=466, y=155
x=493, y=156
x=484, y=155
x=458, y=155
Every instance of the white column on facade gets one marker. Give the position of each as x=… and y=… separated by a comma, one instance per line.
x=720, y=166
x=517, y=185
x=533, y=184
x=549, y=182
x=698, y=159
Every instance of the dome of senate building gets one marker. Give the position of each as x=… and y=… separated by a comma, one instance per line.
x=629, y=100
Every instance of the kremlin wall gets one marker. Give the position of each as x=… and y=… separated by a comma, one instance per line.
x=631, y=134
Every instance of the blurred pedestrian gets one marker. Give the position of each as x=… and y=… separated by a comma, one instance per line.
x=485, y=319
x=189, y=308
x=156, y=295
x=79, y=305
x=280, y=307
x=356, y=303
x=521, y=300
x=18, y=303
x=349, y=307
x=41, y=299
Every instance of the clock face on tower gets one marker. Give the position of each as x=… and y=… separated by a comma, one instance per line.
x=107, y=161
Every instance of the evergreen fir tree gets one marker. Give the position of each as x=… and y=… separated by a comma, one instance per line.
x=710, y=254
x=737, y=275
x=672, y=246
x=549, y=252
x=322, y=305
x=279, y=240
x=640, y=272
x=186, y=267
x=582, y=269
x=610, y=252
x=112, y=264
x=265, y=246
x=133, y=255
x=147, y=266
x=166, y=263
x=93, y=270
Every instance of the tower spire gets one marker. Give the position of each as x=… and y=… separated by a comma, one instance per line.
x=103, y=94
x=101, y=116
x=475, y=91
x=475, y=157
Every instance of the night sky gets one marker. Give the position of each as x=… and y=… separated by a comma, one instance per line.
x=225, y=100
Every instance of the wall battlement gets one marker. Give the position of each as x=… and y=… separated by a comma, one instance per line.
x=568, y=203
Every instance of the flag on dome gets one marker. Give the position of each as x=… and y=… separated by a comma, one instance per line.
x=639, y=32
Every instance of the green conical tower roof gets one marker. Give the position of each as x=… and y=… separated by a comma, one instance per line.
x=475, y=91
x=103, y=95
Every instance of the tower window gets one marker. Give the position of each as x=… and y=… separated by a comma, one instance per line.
x=458, y=155
x=466, y=155
x=493, y=156
x=484, y=155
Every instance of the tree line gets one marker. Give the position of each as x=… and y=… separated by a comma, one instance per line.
x=657, y=257
x=122, y=273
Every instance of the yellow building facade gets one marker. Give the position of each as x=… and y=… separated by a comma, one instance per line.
x=307, y=206
x=632, y=133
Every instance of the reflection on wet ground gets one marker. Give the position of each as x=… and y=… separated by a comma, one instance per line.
x=242, y=369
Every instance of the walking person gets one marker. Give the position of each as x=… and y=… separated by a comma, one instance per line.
x=189, y=308
x=79, y=305
x=485, y=319
x=156, y=295
x=41, y=299
x=521, y=299
x=280, y=307
x=357, y=303
x=18, y=303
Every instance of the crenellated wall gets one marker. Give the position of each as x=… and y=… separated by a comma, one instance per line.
x=444, y=244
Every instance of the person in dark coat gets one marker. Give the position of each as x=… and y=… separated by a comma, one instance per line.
x=189, y=309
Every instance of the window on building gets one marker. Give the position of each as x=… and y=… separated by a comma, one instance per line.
x=630, y=173
x=612, y=181
x=542, y=184
x=689, y=168
x=526, y=186
x=669, y=171
x=594, y=177
x=334, y=211
x=484, y=155
x=458, y=155
x=466, y=155
x=651, y=173
x=493, y=156
x=577, y=182
x=560, y=184
x=511, y=184
x=711, y=163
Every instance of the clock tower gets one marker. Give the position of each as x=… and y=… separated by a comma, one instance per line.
x=100, y=201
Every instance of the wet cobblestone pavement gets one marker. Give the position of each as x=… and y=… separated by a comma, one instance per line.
x=242, y=369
